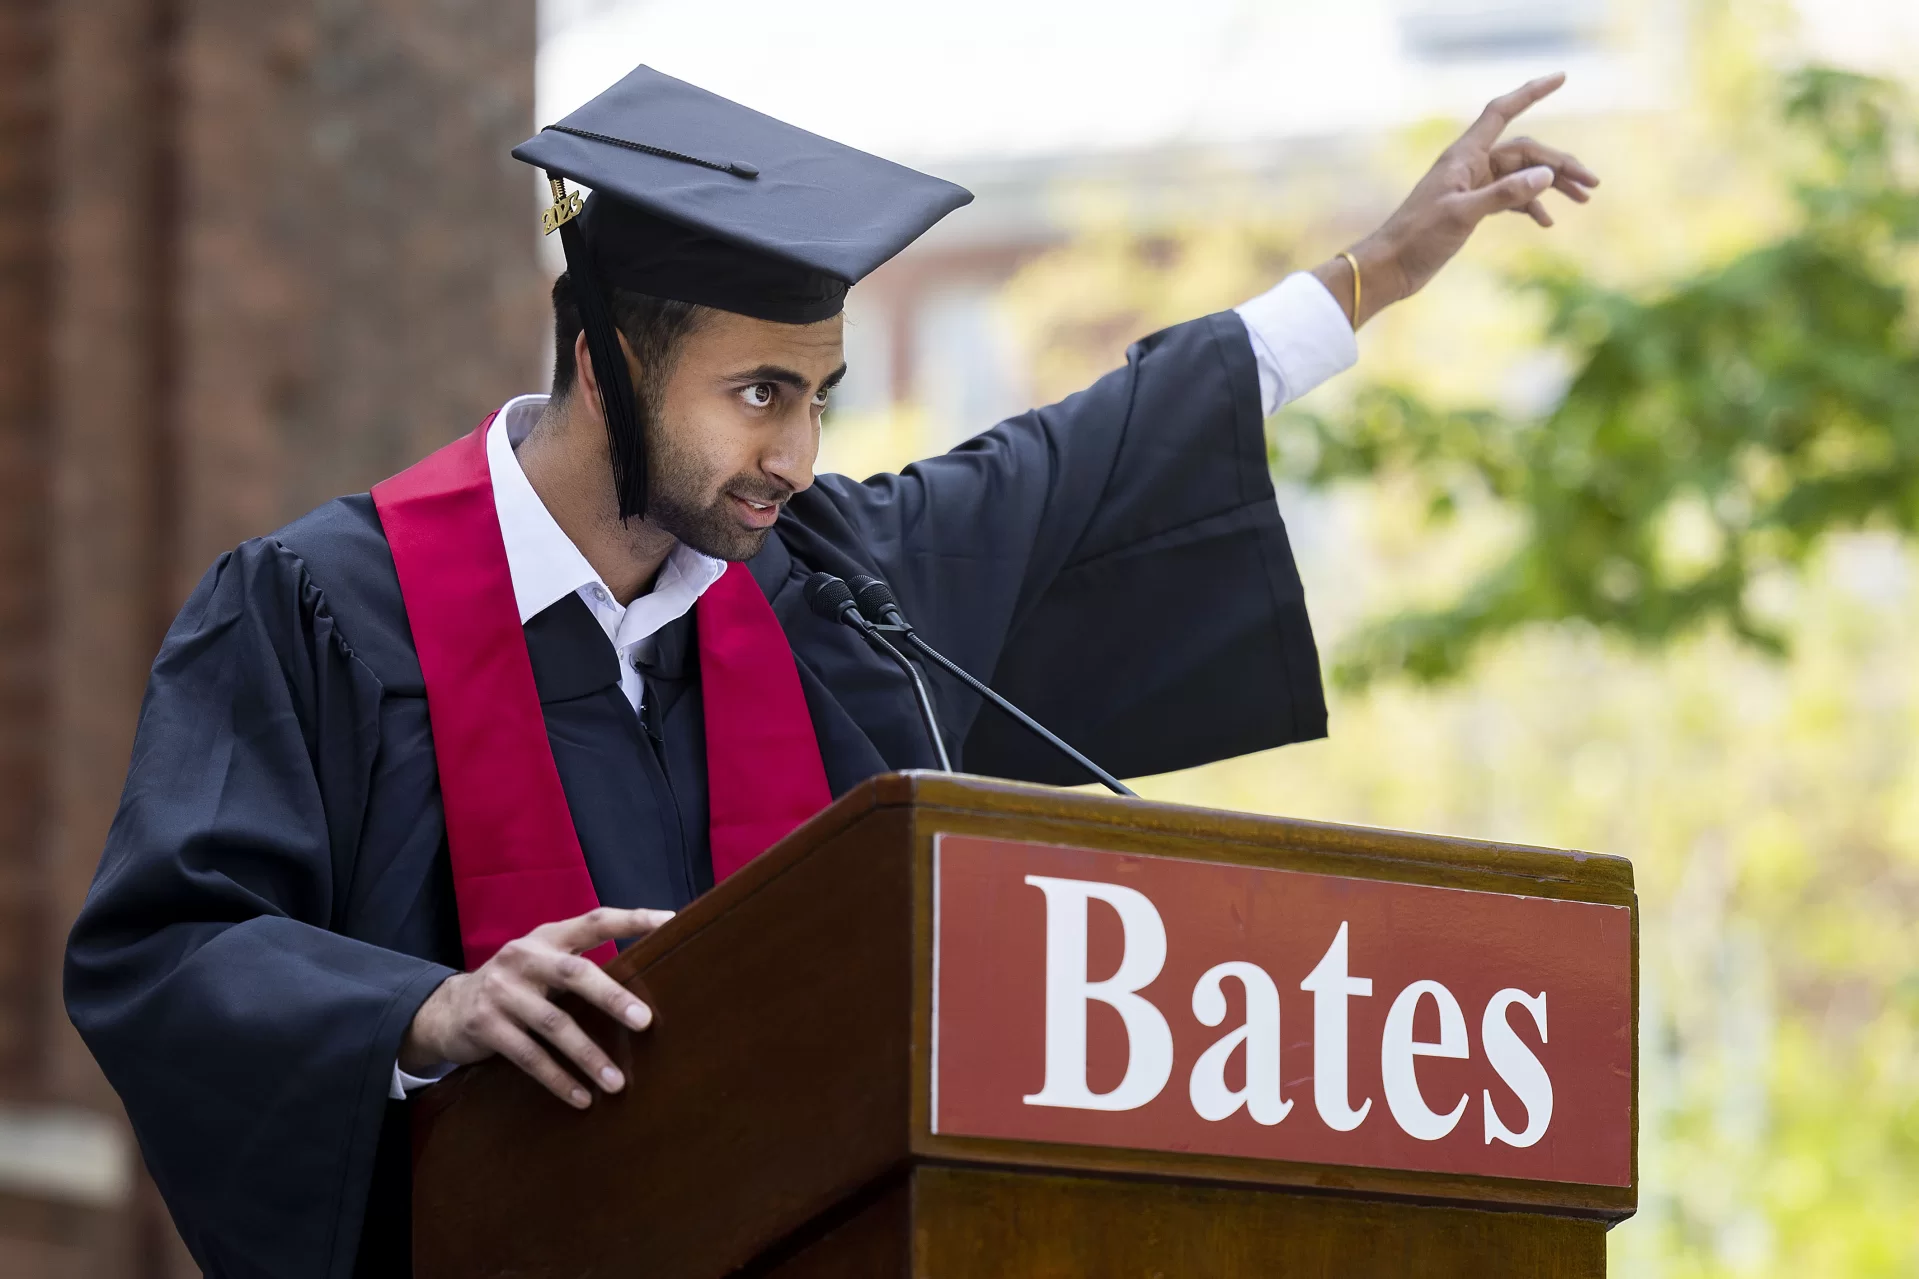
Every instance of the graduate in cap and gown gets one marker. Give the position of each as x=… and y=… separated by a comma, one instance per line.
x=408, y=766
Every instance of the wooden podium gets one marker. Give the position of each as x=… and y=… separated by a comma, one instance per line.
x=926, y=1036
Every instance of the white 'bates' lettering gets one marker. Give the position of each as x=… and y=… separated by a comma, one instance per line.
x=1517, y=1067
x=1149, y=1039
x=1149, y=1061
x=1397, y=1048
x=1330, y=987
x=1259, y=1033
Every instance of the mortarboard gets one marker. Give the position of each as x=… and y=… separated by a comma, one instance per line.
x=703, y=200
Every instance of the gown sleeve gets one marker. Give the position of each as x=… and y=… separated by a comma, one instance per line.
x=252, y=1045
x=1114, y=563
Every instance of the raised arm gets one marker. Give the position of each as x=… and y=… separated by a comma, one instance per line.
x=1116, y=562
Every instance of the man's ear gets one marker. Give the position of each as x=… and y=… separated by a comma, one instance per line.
x=583, y=379
x=588, y=380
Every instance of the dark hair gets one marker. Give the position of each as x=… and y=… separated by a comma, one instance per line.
x=653, y=327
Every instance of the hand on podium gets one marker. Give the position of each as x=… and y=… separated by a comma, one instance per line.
x=502, y=1006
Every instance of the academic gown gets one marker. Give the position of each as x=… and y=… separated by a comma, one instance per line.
x=275, y=899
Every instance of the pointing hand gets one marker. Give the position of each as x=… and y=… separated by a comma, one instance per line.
x=1475, y=177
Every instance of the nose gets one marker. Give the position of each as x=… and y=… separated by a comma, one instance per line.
x=793, y=450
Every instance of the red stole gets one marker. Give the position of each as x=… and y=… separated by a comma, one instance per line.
x=516, y=858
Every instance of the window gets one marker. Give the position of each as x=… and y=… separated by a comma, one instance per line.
x=1474, y=30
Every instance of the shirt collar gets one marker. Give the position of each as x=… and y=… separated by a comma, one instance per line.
x=545, y=565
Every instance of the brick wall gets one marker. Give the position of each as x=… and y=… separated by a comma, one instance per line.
x=253, y=253
x=25, y=82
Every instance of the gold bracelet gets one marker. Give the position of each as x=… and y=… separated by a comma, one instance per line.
x=1353, y=262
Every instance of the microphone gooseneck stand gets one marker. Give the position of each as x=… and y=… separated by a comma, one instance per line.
x=874, y=601
x=832, y=599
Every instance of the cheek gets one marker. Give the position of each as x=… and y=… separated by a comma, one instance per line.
x=714, y=445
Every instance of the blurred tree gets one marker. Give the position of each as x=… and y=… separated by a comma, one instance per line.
x=1729, y=368
x=1710, y=435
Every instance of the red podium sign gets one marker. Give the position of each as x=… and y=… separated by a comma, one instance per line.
x=1104, y=999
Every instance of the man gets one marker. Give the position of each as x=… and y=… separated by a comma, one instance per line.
x=408, y=766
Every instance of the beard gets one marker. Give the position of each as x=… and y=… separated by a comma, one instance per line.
x=677, y=501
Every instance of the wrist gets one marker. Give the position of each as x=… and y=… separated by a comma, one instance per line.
x=1380, y=279
x=1383, y=279
x=423, y=1047
x=1337, y=276
x=416, y=1055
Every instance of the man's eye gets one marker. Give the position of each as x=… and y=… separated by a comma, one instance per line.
x=759, y=395
x=820, y=397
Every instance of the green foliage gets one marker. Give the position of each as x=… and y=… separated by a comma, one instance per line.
x=1708, y=437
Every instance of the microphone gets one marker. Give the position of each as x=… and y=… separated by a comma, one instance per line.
x=874, y=600
x=832, y=599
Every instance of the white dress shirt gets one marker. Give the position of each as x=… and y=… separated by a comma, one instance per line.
x=1300, y=337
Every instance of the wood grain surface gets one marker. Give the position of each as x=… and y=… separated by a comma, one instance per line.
x=972, y=1223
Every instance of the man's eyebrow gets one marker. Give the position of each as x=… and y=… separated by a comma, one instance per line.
x=784, y=376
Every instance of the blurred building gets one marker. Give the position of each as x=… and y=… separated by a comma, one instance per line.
x=253, y=253
x=1055, y=112
x=1059, y=112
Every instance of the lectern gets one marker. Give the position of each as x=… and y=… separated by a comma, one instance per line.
x=955, y=1028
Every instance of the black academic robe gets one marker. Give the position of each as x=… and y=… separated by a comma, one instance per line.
x=274, y=901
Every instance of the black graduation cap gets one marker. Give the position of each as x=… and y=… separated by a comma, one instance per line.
x=703, y=200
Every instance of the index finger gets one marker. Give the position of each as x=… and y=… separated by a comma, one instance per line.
x=1506, y=108
x=604, y=924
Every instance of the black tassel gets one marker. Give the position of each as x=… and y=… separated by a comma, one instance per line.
x=624, y=440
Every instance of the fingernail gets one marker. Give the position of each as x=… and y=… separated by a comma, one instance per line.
x=580, y=1098
x=611, y=1078
x=638, y=1015
x=1539, y=177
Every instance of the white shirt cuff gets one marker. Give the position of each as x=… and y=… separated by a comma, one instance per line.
x=1300, y=337
x=404, y=1083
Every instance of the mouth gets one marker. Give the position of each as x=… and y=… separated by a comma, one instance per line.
x=753, y=514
